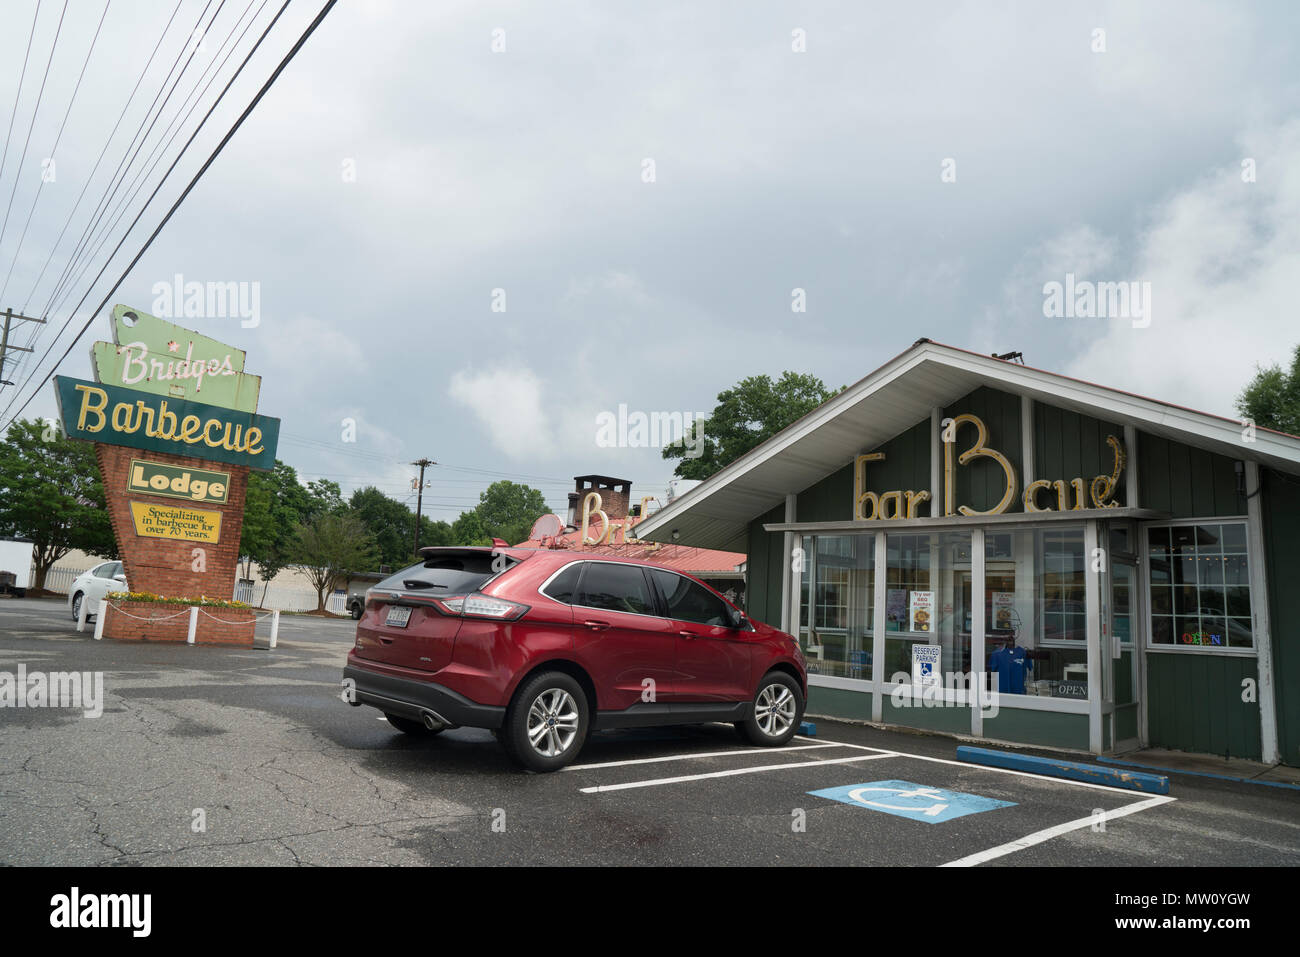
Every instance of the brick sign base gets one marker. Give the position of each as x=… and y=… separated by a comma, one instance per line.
x=169, y=567
x=156, y=621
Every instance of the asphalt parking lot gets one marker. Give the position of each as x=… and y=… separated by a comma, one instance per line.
x=210, y=756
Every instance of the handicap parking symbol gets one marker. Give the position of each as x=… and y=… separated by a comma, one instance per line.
x=915, y=801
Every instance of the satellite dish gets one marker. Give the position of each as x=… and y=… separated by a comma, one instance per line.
x=546, y=527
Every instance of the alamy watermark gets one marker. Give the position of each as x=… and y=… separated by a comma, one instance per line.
x=178, y=299
x=1084, y=299
x=56, y=689
x=650, y=430
x=959, y=690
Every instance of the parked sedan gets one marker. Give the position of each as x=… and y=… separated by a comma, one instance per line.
x=92, y=585
x=542, y=647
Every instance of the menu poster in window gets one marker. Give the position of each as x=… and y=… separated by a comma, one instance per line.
x=1004, y=610
x=895, y=608
x=925, y=665
x=921, y=610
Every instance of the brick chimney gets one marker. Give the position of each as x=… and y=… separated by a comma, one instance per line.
x=615, y=494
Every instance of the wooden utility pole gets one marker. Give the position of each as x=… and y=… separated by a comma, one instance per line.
x=419, y=498
x=5, y=347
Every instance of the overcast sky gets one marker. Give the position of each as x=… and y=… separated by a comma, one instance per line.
x=919, y=169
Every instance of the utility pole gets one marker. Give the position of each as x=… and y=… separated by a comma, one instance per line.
x=419, y=498
x=5, y=347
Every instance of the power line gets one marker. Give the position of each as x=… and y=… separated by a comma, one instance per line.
x=22, y=77
x=57, y=139
x=119, y=175
x=40, y=95
x=102, y=153
x=311, y=28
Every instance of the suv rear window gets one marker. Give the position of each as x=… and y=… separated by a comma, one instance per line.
x=563, y=587
x=445, y=574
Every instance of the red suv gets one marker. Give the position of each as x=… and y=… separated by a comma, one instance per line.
x=545, y=646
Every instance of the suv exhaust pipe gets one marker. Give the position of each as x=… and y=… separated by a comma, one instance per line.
x=434, y=721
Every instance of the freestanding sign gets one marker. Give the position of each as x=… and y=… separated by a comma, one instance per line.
x=174, y=420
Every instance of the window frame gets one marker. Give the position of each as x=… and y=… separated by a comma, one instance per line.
x=662, y=600
x=650, y=587
x=1178, y=648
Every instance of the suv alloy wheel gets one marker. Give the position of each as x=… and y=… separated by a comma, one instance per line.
x=778, y=709
x=546, y=725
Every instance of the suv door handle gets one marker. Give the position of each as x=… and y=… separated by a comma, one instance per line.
x=688, y=634
x=596, y=625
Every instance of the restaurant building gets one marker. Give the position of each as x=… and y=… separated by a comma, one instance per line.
x=1120, y=570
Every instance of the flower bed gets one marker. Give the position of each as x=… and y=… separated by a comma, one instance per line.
x=136, y=616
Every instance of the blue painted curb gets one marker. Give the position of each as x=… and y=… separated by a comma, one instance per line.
x=808, y=729
x=1204, y=774
x=1071, y=770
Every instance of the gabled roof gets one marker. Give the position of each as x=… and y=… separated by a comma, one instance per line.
x=896, y=397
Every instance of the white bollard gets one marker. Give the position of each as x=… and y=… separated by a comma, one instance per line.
x=81, y=614
x=275, y=626
x=194, y=624
x=100, y=615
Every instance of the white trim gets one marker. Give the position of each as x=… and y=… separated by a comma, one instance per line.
x=1092, y=604
x=880, y=578
x=977, y=625
x=1261, y=630
x=1029, y=702
x=839, y=681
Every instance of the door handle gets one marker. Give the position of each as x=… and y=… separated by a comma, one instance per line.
x=688, y=634
x=596, y=625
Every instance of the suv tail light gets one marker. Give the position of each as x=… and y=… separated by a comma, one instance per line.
x=481, y=606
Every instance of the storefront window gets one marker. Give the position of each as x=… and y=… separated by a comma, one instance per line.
x=1200, y=586
x=1035, y=611
x=927, y=601
x=836, y=607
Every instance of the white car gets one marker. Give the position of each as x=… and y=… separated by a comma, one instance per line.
x=94, y=584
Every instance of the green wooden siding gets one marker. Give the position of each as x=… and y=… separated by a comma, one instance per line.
x=763, y=576
x=1186, y=482
x=1280, y=501
x=981, y=483
x=906, y=467
x=1051, y=729
x=1194, y=704
x=1068, y=445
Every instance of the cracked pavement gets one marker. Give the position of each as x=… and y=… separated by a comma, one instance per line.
x=258, y=747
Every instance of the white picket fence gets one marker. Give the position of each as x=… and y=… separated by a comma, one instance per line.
x=60, y=579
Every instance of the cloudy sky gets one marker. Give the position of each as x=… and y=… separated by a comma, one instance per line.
x=475, y=226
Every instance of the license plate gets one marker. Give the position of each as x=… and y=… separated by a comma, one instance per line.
x=398, y=616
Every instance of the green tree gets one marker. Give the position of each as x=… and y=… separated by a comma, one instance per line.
x=469, y=530
x=1272, y=398
x=391, y=524
x=331, y=546
x=749, y=413
x=52, y=495
x=435, y=533
x=275, y=504
x=324, y=496
x=507, y=510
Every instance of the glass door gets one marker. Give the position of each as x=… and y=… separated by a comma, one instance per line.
x=1121, y=628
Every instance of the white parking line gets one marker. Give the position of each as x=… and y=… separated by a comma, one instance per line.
x=1038, y=837
x=734, y=771
x=701, y=754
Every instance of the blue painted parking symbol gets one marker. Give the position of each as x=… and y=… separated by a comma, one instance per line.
x=915, y=801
